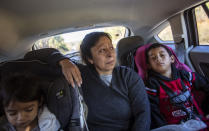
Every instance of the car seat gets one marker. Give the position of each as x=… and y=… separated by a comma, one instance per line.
x=140, y=61
x=61, y=99
x=126, y=48
x=137, y=52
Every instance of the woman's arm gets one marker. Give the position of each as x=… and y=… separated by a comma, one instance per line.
x=48, y=55
x=71, y=72
x=54, y=58
x=139, y=103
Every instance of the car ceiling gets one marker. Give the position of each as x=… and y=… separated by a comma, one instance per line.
x=24, y=21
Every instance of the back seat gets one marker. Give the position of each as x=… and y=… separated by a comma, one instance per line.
x=60, y=97
x=133, y=55
x=126, y=48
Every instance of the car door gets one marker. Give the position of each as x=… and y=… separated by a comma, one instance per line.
x=197, y=20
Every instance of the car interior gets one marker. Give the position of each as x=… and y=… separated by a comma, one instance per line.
x=182, y=25
x=25, y=22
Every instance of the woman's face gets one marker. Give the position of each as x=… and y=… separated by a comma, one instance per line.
x=22, y=115
x=103, y=56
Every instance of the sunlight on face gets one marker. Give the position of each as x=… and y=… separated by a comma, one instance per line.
x=103, y=56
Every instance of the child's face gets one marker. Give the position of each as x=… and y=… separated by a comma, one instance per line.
x=159, y=60
x=22, y=114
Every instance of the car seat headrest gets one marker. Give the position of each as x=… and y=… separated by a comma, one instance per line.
x=127, y=44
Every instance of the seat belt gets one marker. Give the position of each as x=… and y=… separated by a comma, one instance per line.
x=178, y=100
x=83, y=109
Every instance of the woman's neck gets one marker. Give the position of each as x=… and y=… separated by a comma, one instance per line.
x=104, y=72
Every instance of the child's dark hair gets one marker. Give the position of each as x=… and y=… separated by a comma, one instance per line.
x=88, y=42
x=22, y=87
x=153, y=46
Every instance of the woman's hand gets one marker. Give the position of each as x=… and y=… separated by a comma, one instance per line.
x=71, y=72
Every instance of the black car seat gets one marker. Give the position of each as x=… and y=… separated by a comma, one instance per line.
x=126, y=48
x=61, y=99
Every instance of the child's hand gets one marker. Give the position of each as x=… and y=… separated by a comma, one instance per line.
x=71, y=72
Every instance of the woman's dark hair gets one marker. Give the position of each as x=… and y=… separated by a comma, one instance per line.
x=22, y=87
x=88, y=42
x=153, y=46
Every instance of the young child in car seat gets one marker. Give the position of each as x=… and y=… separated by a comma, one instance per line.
x=22, y=100
x=170, y=90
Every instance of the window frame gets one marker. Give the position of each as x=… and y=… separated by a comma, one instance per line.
x=192, y=23
x=158, y=39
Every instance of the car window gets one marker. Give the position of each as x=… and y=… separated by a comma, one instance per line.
x=69, y=43
x=166, y=34
x=202, y=25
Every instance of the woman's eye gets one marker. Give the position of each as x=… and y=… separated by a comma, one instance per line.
x=111, y=48
x=102, y=51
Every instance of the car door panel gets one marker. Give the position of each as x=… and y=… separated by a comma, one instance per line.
x=199, y=56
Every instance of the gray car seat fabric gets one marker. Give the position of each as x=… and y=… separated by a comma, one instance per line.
x=60, y=97
x=126, y=48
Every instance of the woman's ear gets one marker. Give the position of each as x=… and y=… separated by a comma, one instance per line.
x=172, y=58
x=90, y=61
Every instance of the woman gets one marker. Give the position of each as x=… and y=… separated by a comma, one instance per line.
x=115, y=96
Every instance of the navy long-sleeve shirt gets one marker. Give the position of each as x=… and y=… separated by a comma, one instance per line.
x=123, y=106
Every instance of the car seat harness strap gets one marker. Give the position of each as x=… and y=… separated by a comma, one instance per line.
x=179, y=100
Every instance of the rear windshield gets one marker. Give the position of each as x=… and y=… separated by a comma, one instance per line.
x=70, y=42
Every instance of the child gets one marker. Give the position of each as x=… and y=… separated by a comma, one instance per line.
x=22, y=100
x=170, y=89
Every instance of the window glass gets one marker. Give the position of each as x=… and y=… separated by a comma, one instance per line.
x=207, y=4
x=202, y=25
x=70, y=42
x=166, y=34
